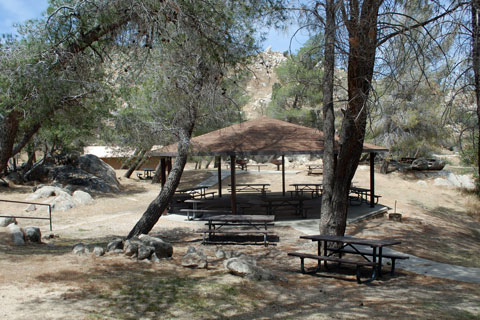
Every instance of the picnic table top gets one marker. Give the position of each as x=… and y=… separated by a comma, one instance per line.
x=251, y=184
x=192, y=189
x=306, y=184
x=238, y=218
x=352, y=240
x=359, y=189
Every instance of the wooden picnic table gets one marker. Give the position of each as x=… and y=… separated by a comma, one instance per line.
x=275, y=202
x=147, y=173
x=249, y=187
x=315, y=169
x=232, y=224
x=300, y=188
x=376, y=252
x=363, y=194
x=200, y=191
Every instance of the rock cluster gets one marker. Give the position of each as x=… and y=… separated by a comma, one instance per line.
x=21, y=236
x=143, y=247
x=60, y=199
x=237, y=263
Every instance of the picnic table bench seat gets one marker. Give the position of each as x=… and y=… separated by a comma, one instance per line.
x=197, y=213
x=358, y=264
x=234, y=231
x=391, y=256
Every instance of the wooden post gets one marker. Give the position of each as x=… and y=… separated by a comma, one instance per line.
x=233, y=184
x=169, y=164
x=283, y=174
x=163, y=176
x=372, y=179
x=219, y=166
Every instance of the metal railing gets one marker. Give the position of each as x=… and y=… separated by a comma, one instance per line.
x=34, y=203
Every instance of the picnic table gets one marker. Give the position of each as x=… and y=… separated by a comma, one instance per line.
x=200, y=191
x=315, y=169
x=362, y=195
x=235, y=224
x=251, y=187
x=300, y=188
x=273, y=203
x=147, y=173
x=350, y=245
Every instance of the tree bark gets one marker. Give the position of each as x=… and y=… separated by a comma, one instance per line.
x=327, y=214
x=476, y=65
x=135, y=163
x=161, y=202
x=8, y=132
x=361, y=22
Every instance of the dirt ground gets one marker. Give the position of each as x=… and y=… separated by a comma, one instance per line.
x=49, y=282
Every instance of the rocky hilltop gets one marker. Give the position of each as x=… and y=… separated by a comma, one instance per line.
x=259, y=88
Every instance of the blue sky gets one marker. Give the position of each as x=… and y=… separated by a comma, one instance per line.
x=16, y=11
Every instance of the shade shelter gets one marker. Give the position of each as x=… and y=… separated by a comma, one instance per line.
x=262, y=136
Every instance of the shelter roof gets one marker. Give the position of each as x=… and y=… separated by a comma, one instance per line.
x=262, y=136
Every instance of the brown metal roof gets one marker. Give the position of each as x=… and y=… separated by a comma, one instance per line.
x=258, y=137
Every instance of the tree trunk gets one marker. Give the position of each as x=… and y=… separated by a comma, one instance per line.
x=476, y=65
x=161, y=202
x=361, y=22
x=8, y=133
x=135, y=163
x=327, y=213
x=126, y=164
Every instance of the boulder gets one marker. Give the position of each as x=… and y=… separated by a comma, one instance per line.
x=98, y=251
x=18, y=237
x=33, y=234
x=461, y=181
x=6, y=221
x=145, y=252
x=441, y=182
x=227, y=254
x=82, y=197
x=116, y=244
x=48, y=191
x=63, y=202
x=195, y=258
x=80, y=249
x=130, y=247
x=95, y=166
x=163, y=249
x=420, y=164
x=74, y=179
x=244, y=268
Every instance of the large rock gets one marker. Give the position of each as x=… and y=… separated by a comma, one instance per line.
x=163, y=249
x=18, y=237
x=130, y=247
x=244, y=268
x=195, y=258
x=6, y=221
x=47, y=192
x=33, y=234
x=76, y=179
x=95, y=166
x=420, y=164
x=82, y=197
x=80, y=249
x=98, y=251
x=116, y=244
